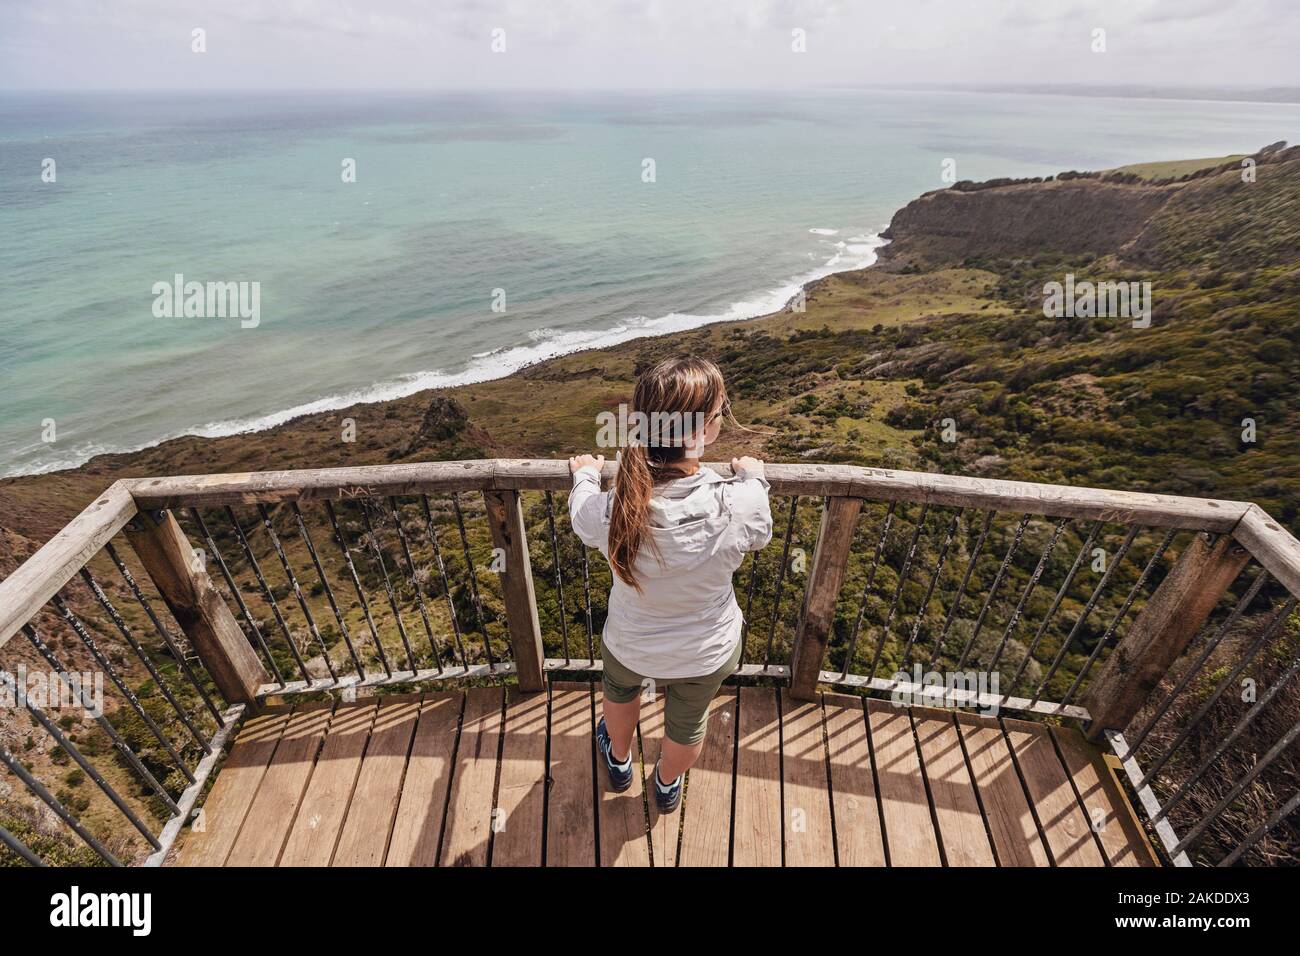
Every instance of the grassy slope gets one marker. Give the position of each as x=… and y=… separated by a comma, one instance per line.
x=1176, y=168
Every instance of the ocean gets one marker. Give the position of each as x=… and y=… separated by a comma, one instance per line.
x=481, y=232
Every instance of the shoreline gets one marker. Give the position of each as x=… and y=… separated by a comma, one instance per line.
x=478, y=370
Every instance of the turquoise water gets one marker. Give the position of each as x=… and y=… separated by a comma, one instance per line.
x=385, y=286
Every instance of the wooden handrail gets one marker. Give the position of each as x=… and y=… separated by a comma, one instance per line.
x=876, y=484
x=40, y=577
x=1271, y=545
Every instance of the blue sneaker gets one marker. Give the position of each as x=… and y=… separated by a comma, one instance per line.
x=620, y=774
x=667, y=797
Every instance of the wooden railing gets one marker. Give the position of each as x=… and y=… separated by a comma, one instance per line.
x=1136, y=614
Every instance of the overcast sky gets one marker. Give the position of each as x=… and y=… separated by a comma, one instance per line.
x=619, y=44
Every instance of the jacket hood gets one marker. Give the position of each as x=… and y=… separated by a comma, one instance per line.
x=686, y=523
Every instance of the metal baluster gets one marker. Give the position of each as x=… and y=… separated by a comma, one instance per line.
x=866, y=589
x=993, y=590
x=253, y=627
x=79, y=693
x=473, y=577
x=36, y=787
x=586, y=600
x=1014, y=620
x=1084, y=550
x=937, y=649
x=378, y=555
x=780, y=579
x=1229, y=740
x=17, y=845
x=297, y=590
x=1194, y=835
x=1083, y=615
x=559, y=574
x=356, y=584
x=176, y=652
x=934, y=579
x=749, y=603
x=898, y=589
x=432, y=534
x=71, y=750
x=1210, y=646
x=415, y=583
x=266, y=592
x=120, y=684
x=1110, y=630
x=329, y=591
x=1276, y=817
x=140, y=652
x=1229, y=681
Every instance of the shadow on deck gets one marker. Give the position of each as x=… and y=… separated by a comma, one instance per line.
x=489, y=776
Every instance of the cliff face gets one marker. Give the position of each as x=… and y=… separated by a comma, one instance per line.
x=1072, y=217
x=1213, y=217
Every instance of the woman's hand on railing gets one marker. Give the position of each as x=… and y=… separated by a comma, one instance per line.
x=746, y=467
x=586, y=461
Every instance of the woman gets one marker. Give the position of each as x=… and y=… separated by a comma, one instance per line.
x=673, y=533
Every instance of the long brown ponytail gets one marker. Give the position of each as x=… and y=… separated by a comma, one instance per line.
x=671, y=401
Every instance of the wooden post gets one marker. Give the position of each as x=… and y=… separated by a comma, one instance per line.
x=1171, y=618
x=830, y=560
x=506, y=518
x=197, y=606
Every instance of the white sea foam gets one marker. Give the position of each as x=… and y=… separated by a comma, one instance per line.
x=824, y=232
x=546, y=343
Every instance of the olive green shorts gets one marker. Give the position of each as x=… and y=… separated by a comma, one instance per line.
x=686, y=705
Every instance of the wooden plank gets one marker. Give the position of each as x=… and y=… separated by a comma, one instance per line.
x=706, y=812
x=469, y=809
x=624, y=838
x=521, y=792
x=858, y=840
x=505, y=517
x=324, y=806
x=281, y=789
x=1167, y=623
x=1271, y=545
x=224, y=811
x=1006, y=810
x=665, y=828
x=759, y=831
x=40, y=577
x=421, y=810
x=1064, y=826
x=830, y=561
x=197, y=605
x=964, y=840
x=366, y=829
x=809, y=836
x=1104, y=804
x=570, y=813
x=909, y=830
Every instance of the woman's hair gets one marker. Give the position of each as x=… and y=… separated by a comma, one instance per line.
x=671, y=407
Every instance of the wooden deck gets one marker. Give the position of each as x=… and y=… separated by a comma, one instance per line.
x=460, y=778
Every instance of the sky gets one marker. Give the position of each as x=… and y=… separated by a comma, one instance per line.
x=643, y=44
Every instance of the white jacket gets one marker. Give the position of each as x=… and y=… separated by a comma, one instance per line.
x=685, y=622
